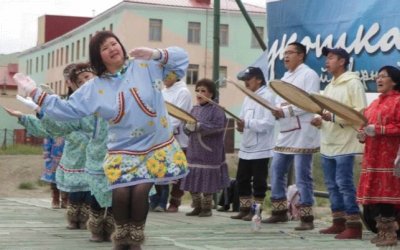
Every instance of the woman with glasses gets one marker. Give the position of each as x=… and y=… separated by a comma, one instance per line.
x=379, y=185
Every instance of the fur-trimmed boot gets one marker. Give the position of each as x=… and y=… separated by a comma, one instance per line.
x=196, y=204
x=73, y=216
x=389, y=227
x=95, y=225
x=338, y=224
x=379, y=236
x=245, y=207
x=64, y=199
x=353, y=228
x=279, y=212
x=206, y=205
x=55, y=198
x=306, y=218
x=121, y=238
x=137, y=236
x=109, y=225
x=257, y=200
x=83, y=215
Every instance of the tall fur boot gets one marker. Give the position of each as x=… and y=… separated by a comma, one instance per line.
x=121, y=237
x=109, y=225
x=95, y=225
x=338, y=224
x=83, y=215
x=279, y=212
x=206, y=205
x=245, y=207
x=73, y=216
x=389, y=228
x=55, y=198
x=257, y=200
x=306, y=219
x=137, y=235
x=379, y=236
x=353, y=228
x=196, y=202
x=64, y=199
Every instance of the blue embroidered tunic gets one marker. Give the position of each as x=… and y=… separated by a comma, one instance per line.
x=141, y=146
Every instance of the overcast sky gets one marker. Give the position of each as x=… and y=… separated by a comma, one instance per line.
x=18, y=18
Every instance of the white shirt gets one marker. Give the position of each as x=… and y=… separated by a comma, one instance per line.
x=258, y=133
x=179, y=95
x=297, y=135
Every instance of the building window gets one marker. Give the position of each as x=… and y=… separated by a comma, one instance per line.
x=194, y=32
x=42, y=63
x=30, y=66
x=27, y=67
x=78, y=48
x=224, y=35
x=254, y=42
x=223, y=75
x=57, y=57
x=72, y=51
x=111, y=27
x=192, y=74
x=52, y=59
x=84, y=46
x=37, y=64
x=48, y=60
x=155, y=29
x=61, y=56
x=66, y=54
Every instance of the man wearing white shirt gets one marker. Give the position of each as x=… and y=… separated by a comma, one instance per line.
x=257, y=126
x=297, y=141
x=177, y=93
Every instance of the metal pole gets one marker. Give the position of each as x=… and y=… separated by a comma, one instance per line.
x=251, y=24
x=216, y=45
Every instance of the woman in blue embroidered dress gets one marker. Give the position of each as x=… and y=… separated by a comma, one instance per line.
x=141, y=147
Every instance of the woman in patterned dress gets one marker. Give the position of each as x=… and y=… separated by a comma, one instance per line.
x=379, y=186
x=205, y=152
x=141, y=147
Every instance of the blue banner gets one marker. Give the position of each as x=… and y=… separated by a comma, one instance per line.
x=367, y=29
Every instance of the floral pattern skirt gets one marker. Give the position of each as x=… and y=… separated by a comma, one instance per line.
x=160, y=166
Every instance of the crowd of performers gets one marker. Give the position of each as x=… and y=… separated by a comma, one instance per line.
x=114, y=140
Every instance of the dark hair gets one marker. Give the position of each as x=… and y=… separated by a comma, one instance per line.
x=301, y=49
x=67, y=70
x=78, y=69
x=94, y=50
x=394, y=74
x=209, y=85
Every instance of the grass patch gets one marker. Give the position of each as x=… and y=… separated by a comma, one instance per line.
x=21, y=149
x=27, y=185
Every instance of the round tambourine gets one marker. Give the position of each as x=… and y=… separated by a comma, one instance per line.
x=295, y=96
x=345, y=112
x=179, y=113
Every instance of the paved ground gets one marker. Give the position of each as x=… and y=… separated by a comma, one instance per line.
x=30, y=224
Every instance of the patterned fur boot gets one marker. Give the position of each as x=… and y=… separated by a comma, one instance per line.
x=279, y=212
x=109, y=225
x=73, y=216
x=95, y=225
x=245, y=206
x=338, y=224
x=83, y=215
x=196, y=202
x=389, y=236
x=306, y=219
x=353, y=228
x=206, y=205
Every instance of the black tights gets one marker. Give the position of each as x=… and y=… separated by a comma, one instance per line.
x=385, y=210
x=131, y=204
